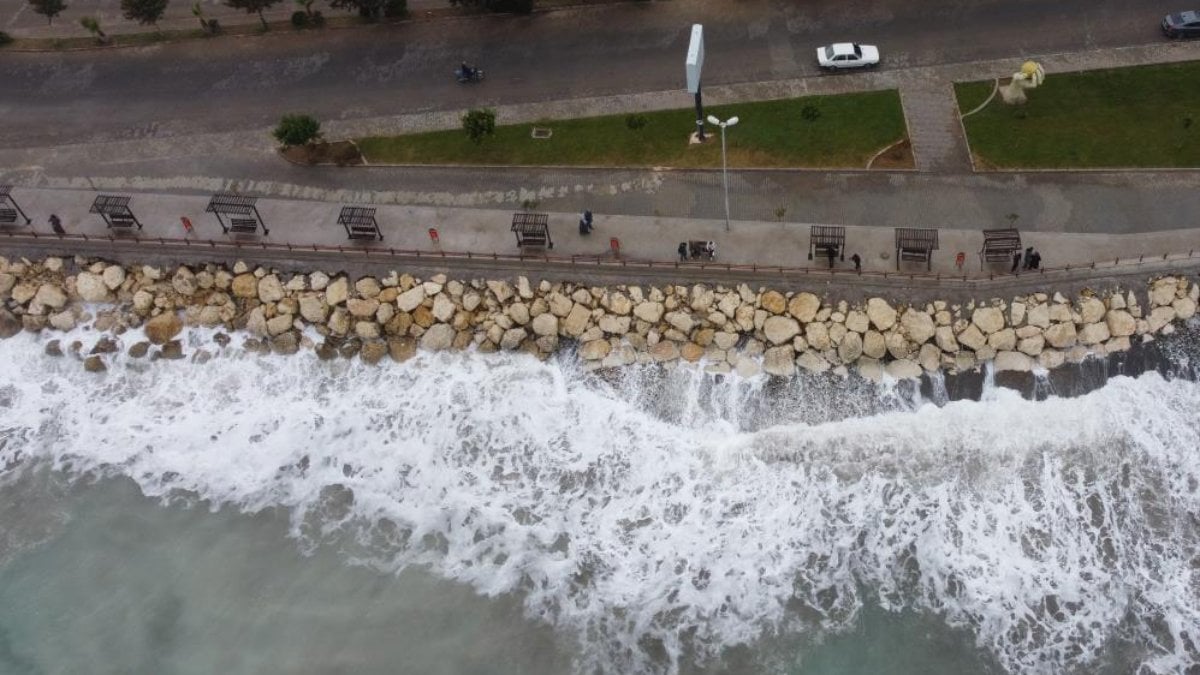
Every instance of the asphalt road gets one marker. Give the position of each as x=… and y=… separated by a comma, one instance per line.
x=233, y=84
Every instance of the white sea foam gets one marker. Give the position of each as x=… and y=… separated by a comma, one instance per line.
x=654, y=521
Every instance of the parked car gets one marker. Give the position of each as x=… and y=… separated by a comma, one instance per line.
x=847, y=55
x=1184, y=24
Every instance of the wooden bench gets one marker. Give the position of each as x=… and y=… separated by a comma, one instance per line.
x=8, y=216
x=999, y=246
x=243, y=225
x=916, y=245
x=533, y=240
x=364, y=232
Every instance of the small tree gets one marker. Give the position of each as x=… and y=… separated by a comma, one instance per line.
x=92, y=25
x=297, y=130
x=145, y=12
x=48, y=8
x=252, y=7
x=198, y=12
x=479, y=124
x=306, y=5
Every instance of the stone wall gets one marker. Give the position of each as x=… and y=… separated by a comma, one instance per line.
x=720, y=329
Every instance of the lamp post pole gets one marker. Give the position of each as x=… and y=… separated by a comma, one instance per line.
x=724, y=164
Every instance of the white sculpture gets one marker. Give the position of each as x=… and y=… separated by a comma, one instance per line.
x=1030, y=77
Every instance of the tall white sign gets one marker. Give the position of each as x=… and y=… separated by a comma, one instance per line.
x=695, y=58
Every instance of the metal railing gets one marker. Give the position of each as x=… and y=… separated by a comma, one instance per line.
x=592, y=261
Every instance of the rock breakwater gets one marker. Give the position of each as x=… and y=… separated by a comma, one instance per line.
x=721, y=329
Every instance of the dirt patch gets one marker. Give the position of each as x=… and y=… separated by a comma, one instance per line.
x=898, y=156
x=340, y=153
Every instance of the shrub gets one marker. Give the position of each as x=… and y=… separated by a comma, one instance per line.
x=396, y=9
x=810, y=113
x=479, y=124
x=635, y=122
x=297, y=130
x=317, y=19
x=5, y=38
x=214, y=26
x=299, y=19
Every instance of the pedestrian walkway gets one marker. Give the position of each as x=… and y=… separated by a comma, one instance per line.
x=305, y=224
x=934, y=128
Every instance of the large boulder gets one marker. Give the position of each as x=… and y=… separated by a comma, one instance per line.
x=1003, y=340
x=9, y=324
x=512, y=338
x=881, y=314
x=50, y=295
x=972, y=338
x=817, y=336
x=546, y=324
x=1013, y=361
x=650, y=312
x=773, y=302
x=162, y=328
x=1185, y=308
x=337, y=291
x=780, y=361
x=577, y=321
x=410, y=299
x=987, y=319
x=1093, y=333
x=918, y=325
x=443, y=308
x=904, y=369
x=1032, y=345
x=1162, y=293
x=91, y=287
x=851, y=348
x=945, y=339
x=780, y=329
x=244, y=286
x=1091, y=310
x=113, y=276
x=313, y=309
x=857, y=321
x=184, y=282
x=609, y=323
x=1061, y=335
x=804, y=307
x=270, y=289
x=362, y=308
x=874, y=345
x=402, y=349
x=680, y=321
x=1120, y=323
x=594, y=350
x=438, y=337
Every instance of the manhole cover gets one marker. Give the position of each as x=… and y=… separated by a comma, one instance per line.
x=541, y=132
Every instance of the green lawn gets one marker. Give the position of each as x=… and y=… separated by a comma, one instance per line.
x=1127, y=117
x=845, y=132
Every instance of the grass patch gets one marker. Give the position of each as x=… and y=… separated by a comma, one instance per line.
x=814, y=131
x=972, y=94
x=1148, y=116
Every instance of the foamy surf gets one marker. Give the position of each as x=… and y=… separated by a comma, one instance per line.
x=655, y=521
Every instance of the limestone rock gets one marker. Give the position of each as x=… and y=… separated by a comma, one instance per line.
x=619, y=304
x=780, y=361
x=560, y=305
x=368, y=287
x=244, y=286
x=1120, y=323
x=162, y=328
x=804, y=307
x=725, y=340
x=881, y=314
x=594, y=350
x=438, y=337
x=63, y=320
x=279, y=324
x=874, y=345
x=850, y=348
x=1091, y=310
x=987, y=319
x=918, y=325
x=664, y=351
x=284, y=344
x=650, y=312
x=91, y=287
x=1012, y=361
x=930, y=357
x=903, y=369
x=443, y=308
x=337, y=291
x=1093, y=333
x=1016, y=313
x=545, y=324
x=773, y=302
x=897, y=345
x=681, y=321
x=1061, y=335
x=362, y=308
x=1185, y=308
x=702, y=298
x=817, y=336
x=611, y=324
x=972, y=338
x=1160, y=317
x=513, y=337
x=501, y=290
x=691, y=352
x=857, y=321
x=50, y=295
x=1039, y=315
x=313, y=309
x=402, y=349
x=94, y=364
x=1162, y=292
x=339, y=322
x=184, y=282
x=518, y=312
x=577, y=321
x=1003, y=340
x=410, y=299
x=944, y=336
x=1032, y=345
x=1051, y=359
x=318, y=281
x=780, y=329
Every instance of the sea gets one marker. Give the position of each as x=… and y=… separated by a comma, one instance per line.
x=496, y=514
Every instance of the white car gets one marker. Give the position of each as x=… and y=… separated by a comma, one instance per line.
x=847, y=55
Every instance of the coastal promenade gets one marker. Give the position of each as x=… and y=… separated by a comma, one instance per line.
x=305, y=233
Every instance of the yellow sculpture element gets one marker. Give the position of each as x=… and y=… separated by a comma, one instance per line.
x=1030, y=77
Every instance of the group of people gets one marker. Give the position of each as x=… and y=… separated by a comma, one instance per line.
x=1031, y=260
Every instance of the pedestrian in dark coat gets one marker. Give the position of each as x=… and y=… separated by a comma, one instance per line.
x=1028, y=258
x=1016, y=261
x=857, y=262
x=56, y=225
x=1035, y=261
x=683, y=251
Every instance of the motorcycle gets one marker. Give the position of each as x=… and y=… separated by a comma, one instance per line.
x=475, y=75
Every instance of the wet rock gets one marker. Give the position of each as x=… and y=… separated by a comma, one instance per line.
x=781, y=329
x=172, y=350
x=1013, y=361
x=577, y=321
x=1160, y=317
x=105, y=345
x=94, y=364
x=903, y=369
x=664, y=351
x=373, y=351
x=512, y=338
x=438, y=337
x=91, y=287
x=1185, y=308
x=285, y=344
x=917, y=325
x=63, y=320
x=9, y=324
x=50, y=295
x=594, y=350
x=1093, y=333
x=780, y=361
x=139, y=349
x=930, y=357
x=222, y=339
x=280, y=324
x=691, y=352
x=53, y=348
x=1061, y=335
x=326, y=351
x=244, y=286
x=1120, y=323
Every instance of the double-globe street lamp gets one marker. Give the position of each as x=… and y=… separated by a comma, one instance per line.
x=724, y=167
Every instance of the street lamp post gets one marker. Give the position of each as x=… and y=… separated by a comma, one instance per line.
x=724, y=166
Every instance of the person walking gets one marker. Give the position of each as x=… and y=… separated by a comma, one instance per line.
x=857, y=260
x=1028, y=259
x=1016, y=261
x=1035, y=261
x=56, y=225
x=683, y=251
x=585, y=222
